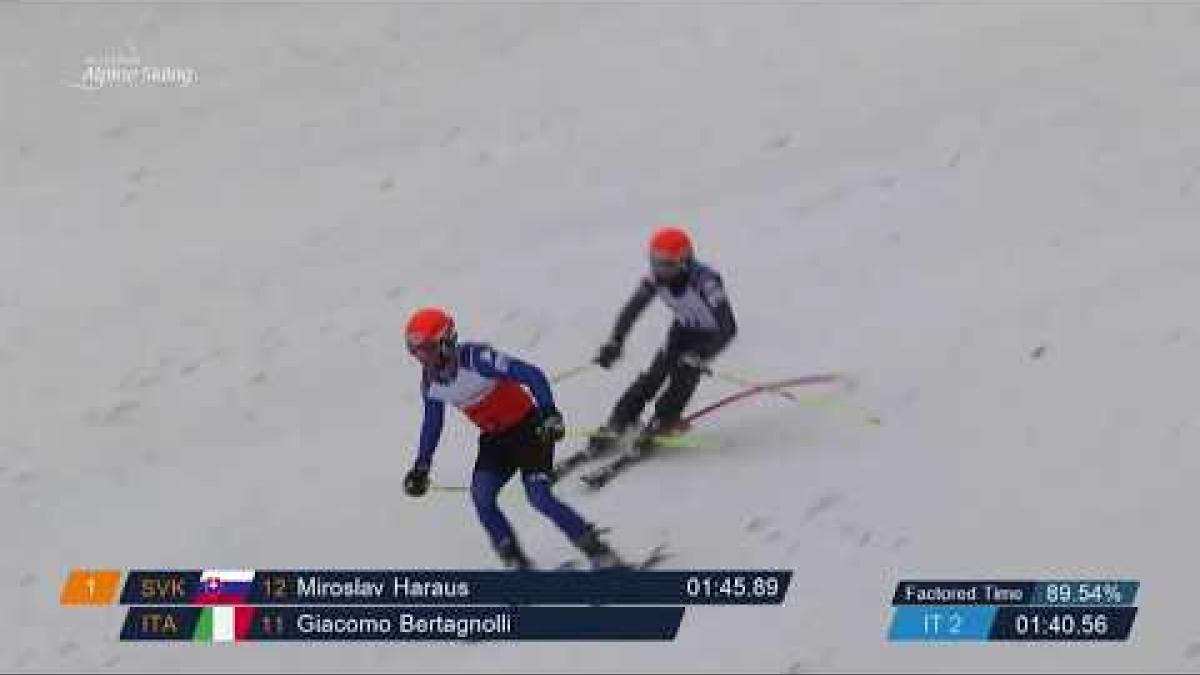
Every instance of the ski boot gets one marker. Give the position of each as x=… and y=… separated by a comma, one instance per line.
x=657, y=428
x=598, y=552
x=600, y=442
x=604, y=439
x=512, y=557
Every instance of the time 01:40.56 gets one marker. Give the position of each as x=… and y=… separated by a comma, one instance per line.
x=1060, y=624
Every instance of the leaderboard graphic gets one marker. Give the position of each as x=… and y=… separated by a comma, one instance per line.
x=990, y=611
x=231, y=605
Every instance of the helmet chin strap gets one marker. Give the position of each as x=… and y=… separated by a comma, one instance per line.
x=447, y=367
x=677, y=281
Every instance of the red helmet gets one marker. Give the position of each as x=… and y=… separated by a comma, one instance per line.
x=670, y=252
x=431, y=336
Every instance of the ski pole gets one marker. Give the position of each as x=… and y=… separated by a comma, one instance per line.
x=861, y=414
x=506, y=495
x=685, y=439
x=761, y=388
x=570, y=372
x=743, y=382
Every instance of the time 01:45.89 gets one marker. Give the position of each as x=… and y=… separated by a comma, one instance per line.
x=731, y=586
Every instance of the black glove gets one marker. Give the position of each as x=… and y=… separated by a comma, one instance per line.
x=608, y=353
x=694, y=361
x=551, y=427
x=416, y=482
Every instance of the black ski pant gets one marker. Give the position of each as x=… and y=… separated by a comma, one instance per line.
x=665, y=366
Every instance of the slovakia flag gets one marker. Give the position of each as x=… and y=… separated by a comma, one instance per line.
x=223, y=587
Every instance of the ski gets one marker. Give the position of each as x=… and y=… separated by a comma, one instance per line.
x=651, y=559
x=573, y=461
x=600, y=477
x=600, y=443
x=656, y=556
x=640, y=450
x=577, y=459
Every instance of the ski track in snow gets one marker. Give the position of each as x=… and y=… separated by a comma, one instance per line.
x=986, y=214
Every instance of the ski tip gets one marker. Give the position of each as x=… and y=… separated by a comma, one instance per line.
x=650, y=560
x=594, y=481
x=655, y=558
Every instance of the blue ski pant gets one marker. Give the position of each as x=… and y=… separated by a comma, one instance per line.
x=501, y=455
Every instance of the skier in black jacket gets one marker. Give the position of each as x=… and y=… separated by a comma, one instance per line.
x=704, y=325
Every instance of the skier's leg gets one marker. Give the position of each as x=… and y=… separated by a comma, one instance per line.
x=485, y=490
x=683, y=380
x=536, y=460
x=541, y=496
x=644, y=388
x=668, y=409
x=494, y=467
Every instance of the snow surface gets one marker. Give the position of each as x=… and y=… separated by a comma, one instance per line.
x=987, y=214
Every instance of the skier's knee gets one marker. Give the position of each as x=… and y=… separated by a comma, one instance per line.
x=686, y=376
x=484, y=505
x=539, y=494
x=483, y=495
x=650, y=381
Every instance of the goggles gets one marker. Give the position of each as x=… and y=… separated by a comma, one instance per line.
x=666, y=268
x=433, y=353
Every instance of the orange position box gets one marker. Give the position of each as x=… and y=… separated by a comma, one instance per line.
x=91, y=587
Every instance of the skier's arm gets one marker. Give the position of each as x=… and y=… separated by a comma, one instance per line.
x=714, y=293
x=532, y=377
x=431, y=431
x=726, y=328
x=491, y=363
x=550, y=425
x=633, y=309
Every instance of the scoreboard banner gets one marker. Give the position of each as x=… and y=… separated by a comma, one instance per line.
x=275, y=605
x=453, y=587
x=991, y=611
x=240, y=605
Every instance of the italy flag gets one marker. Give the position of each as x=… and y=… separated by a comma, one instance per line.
x=223, y=587
x=224, y=624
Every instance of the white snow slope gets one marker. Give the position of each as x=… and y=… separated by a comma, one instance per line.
x=202, y=288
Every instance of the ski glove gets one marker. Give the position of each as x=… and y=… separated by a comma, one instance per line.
x=695, y=361
x=551, y=428
x=416, y=482
x=608, y=354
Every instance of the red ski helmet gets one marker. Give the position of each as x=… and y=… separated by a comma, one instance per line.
x=670, y=252
x=431, y=336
